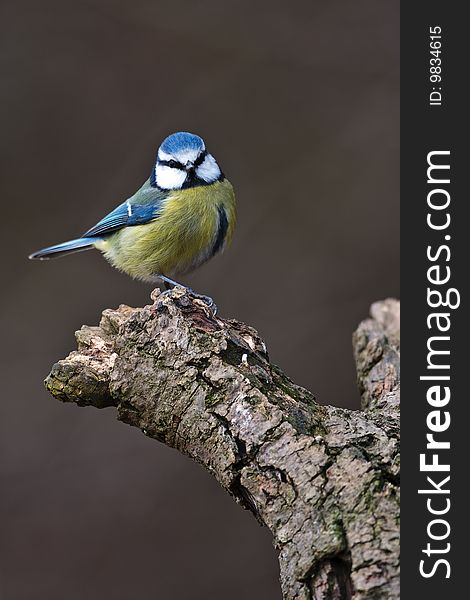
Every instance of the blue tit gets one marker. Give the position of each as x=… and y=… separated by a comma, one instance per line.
x=182, y=216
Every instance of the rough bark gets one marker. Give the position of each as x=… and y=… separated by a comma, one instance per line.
x=324, y=480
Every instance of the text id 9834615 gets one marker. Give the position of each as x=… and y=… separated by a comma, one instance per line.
x=435, y=65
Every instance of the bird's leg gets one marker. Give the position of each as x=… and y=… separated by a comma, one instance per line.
x=171, y=283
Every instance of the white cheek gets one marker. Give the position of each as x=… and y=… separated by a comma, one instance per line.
x=209, y=170
x=168, y=178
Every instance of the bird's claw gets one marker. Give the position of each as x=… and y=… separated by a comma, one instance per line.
x=170, y=284
x=206, y=299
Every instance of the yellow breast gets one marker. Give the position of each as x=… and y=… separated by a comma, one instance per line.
x=181, y=238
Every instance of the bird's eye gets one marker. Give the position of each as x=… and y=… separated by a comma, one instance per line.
x=173, y=164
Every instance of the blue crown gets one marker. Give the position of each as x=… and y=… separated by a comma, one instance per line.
x=181, y=140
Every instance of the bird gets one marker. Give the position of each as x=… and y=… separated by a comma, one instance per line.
x=183, y=215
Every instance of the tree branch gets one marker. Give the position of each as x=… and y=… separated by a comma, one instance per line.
x=324, y=480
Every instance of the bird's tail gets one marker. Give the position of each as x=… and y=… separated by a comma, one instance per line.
x=65, y=248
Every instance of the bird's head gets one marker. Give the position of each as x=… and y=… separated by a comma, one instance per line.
x=183, y=161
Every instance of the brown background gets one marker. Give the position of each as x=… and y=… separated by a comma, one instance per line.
x=299, y=103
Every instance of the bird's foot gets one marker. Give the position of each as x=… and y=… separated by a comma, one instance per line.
x=207, y=300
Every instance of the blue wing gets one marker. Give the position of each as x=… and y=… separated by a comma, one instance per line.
x=138, y=210
x=125, y=215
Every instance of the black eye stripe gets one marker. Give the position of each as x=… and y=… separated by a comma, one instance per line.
x=200, y=159
x=174, y=164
